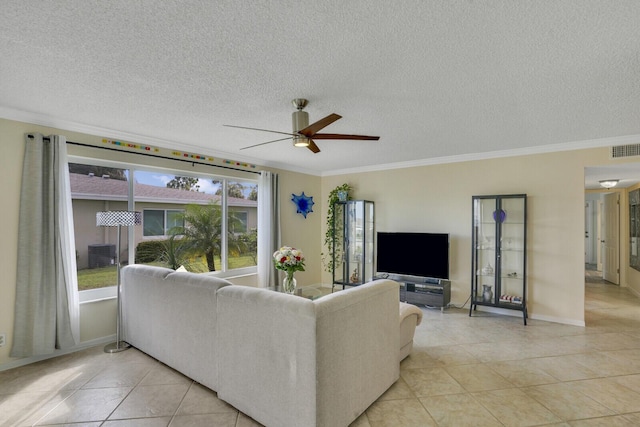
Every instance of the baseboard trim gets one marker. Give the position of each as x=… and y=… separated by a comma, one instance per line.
x=517, y=313
x=570, y=322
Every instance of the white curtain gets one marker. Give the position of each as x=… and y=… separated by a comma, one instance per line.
x=268, y=227
x=47, y=310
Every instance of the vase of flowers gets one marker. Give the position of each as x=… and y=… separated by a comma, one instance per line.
x=289, y=283
x=289, y=260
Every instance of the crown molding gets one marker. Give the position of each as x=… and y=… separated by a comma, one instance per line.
x=44, y=120
x=541, y=149
x=48, y=121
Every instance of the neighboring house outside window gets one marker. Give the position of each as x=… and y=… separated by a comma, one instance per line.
x=160, y=222
x=240, y=226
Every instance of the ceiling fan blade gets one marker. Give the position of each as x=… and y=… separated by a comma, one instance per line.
x=342, y=136
x=264, y=143
x=262, y=130
x=311, y=130
x=313, y=147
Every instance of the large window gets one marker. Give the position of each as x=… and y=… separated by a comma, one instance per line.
x=204, y=223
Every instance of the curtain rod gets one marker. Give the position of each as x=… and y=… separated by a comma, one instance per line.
x=156, y=156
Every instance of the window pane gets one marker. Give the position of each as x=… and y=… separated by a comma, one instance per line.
x=189, y=233
x=242, y=223
x=175, y=219
x=240, y=226
x=153, y=222
x=97, y=189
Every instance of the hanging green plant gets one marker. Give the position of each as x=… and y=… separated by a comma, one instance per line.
x=333, y=246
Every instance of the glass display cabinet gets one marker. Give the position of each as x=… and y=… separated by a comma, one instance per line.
x=353, y=240
x=499, y=255
x=634, y=229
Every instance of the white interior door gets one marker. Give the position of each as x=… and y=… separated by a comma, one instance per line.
x=599, y=227
x=611, y=238
x=589, y=233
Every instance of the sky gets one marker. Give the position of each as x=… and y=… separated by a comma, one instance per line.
x=160, y=179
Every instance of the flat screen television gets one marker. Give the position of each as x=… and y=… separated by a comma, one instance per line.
x=413, y=254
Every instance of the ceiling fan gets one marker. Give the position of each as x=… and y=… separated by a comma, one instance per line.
x=304, y=133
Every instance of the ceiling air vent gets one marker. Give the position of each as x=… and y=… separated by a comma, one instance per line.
x=629, y=150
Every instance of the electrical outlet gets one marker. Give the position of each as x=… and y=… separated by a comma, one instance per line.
x=3, y=340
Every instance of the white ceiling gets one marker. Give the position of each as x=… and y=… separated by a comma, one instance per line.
x=436, y=80
x=627, y=174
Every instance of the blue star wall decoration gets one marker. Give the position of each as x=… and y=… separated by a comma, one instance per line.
x=303, y=203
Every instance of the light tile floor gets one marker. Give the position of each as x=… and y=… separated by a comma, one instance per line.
x=487, y=370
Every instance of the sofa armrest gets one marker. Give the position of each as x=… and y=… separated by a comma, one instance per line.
x=410, y=317
x=408, y=310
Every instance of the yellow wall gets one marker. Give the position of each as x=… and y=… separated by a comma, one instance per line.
x=434, y=198
x=12, y=143
x=437, y=198
x=297, y=231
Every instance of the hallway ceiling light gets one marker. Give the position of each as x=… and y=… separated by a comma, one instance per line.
x=609, y=183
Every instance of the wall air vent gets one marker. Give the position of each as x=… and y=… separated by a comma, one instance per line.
x=629, y=150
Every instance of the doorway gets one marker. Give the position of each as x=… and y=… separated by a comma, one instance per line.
x=602, y=237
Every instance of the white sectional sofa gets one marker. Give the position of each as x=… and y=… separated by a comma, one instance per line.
x=410, y=317
x=281, y=359
x=172, y=317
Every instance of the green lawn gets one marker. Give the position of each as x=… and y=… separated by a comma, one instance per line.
x=92, y=278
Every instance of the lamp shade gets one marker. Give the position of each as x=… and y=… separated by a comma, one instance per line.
x=116, y=218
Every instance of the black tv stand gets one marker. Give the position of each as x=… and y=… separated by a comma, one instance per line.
x=430, y=292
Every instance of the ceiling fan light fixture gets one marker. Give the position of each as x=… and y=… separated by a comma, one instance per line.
x=304, y=133
x=300, y=141
x=609, y=183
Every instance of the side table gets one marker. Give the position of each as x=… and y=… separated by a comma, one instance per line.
x=311, y=292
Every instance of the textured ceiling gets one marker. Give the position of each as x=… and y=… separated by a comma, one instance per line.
x=433, y=79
